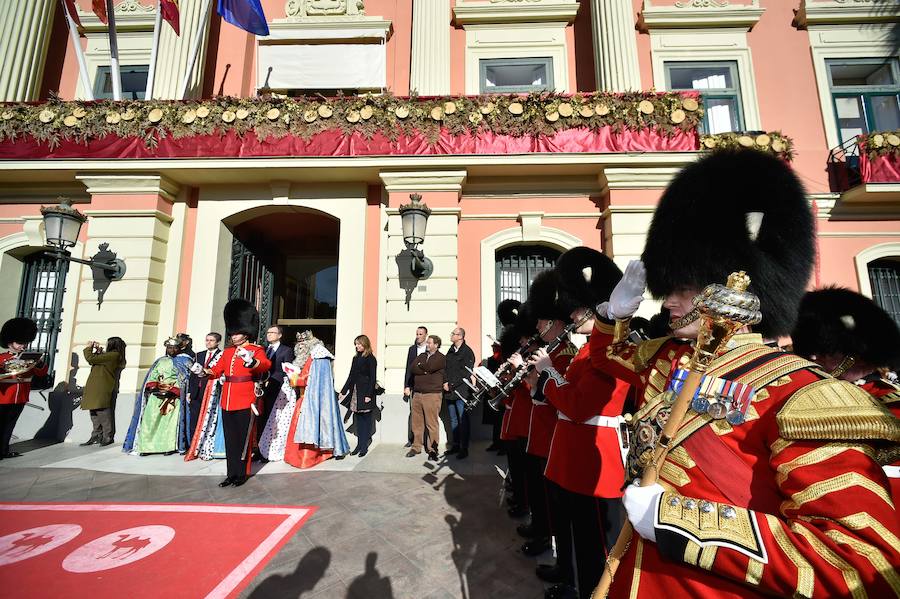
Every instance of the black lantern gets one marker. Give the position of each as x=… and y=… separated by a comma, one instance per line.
x=414, y=219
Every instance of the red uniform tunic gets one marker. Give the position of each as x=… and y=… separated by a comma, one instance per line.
x=889, y=395
x=517, y=415
x=585, y=453
x=543, y=415
x=16, y=390
x=238, y=388
x=815, y=520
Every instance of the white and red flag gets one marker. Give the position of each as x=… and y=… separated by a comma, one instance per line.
x=170, y=12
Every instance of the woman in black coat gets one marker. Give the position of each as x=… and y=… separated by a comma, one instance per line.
x=360, y=387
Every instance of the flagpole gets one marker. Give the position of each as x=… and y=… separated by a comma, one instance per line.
x=79, y=54
x=151, y=72
x=195, y=52
x=114, y=73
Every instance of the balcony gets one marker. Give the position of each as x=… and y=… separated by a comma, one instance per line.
x=866, y=168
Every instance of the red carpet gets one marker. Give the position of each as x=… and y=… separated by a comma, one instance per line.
x=138, y=550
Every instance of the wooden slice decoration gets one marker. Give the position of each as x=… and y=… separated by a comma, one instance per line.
x=79, y=112
x=46, y=116
x=202, y=112
x=70, y=121
x=325, y=111
x=241, y=113
x=449, y=107
x=552, y=116
x=475, y=117
x=763, y=140
x=7, y=115
x=228, y=116
x=565, y=110
x=878, y=140
x=586, y=111
x=353, y=116
x=646, y=106
x=272, y=114
x=402, y=112
x=601, y=109
x=778, y=146
x=746, y=141
x=367, y=112
x=310, y=115
x=677, y=116
x=129, y=115
x=893, y=140
x=113, y=118
x=437, y=113
x=487, y=108
x=690, y=104
x=155, y=115
x=710, y=142
x=188, y=117
x=516, y=108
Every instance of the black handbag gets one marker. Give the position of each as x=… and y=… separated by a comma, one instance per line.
x=379, y=390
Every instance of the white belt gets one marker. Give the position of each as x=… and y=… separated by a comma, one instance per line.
x=607, y=421
x=892, y=471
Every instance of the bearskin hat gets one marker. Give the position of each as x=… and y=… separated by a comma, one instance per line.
x=509, y=341
x=545, y=299
x=586, y=277
x=241, y=317
x=508, y=311
x=524, y=326
x=837, y=321
x=21, y=330
x=735, y=210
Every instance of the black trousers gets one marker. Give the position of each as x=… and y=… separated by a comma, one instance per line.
x=236, y=427
x=536, y=490
x=593, y=525
x=9, y=414
x=364, y=429
x=270, y=394
x=515, y=458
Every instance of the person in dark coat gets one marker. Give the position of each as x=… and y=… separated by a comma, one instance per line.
x=360, y=388
x=102, y=387
x=278, y=354
x=460, y=362
x=415, y=350
x=197, y=384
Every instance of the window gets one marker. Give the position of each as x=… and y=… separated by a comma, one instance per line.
x=866, y=95
x=516, y=269
x=718, y=83
x=885, y=278
x=134, y=82
x=42, y=290
x=511, y=75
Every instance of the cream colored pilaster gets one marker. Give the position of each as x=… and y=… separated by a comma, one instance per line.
x=133, y=214
x=615, y=46
x=430, y=69
x=24, y=35
x=175, y=51
x=430, y=302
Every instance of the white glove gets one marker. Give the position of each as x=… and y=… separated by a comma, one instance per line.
x=641, y=504
x=541, y=360
x=626, y=298
x=245, y=354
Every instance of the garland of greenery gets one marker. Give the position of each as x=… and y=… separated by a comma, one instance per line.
x=880, y=143
x=514, y=115
x=771, y=142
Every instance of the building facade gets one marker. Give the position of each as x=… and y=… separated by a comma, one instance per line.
x=527, y=126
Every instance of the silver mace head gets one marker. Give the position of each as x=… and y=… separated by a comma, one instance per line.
x=723, y=310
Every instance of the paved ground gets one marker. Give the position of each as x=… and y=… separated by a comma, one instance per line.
x=386, y=526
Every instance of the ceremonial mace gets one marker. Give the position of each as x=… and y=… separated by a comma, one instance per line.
x=723, y=310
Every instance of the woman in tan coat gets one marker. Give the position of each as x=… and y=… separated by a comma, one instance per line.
x=102, y=387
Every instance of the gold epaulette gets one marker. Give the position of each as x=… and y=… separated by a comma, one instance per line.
x=832, y=409
x=892, y=397
x=568, y=350
x=646, y=350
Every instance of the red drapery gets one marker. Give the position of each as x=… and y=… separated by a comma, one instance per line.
x=882, y=169
x=336, y=143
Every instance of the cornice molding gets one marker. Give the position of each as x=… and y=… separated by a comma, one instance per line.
x=131, y=15
x=513, y=11
x=166, y=218
x=400, y=181
x=324, y=29
x=699, y=15
x=129, y=183
x=650, y=177
x=813, y=13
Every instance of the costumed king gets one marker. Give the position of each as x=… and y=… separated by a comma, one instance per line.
x=768, y=487
x=242, y=365
x=16, y=371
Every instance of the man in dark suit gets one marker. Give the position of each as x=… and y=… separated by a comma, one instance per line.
x=415, y=350
x=197, y=382
x=278, y=354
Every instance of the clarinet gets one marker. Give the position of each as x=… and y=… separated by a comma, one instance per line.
x=482, y=389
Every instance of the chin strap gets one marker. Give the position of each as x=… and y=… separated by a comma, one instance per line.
x=685, y=320
x=845, y=365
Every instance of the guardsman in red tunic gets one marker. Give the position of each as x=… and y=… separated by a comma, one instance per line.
x=15, y=335
x=552, y=319
x=771, y=486
x=242, y=365
x=854, y=339
x=584, y=468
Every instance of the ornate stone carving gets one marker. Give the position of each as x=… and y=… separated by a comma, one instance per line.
x=133, y=6
x=301, y=9
x=702, y=4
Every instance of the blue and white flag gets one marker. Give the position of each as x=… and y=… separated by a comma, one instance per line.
x=245, y=14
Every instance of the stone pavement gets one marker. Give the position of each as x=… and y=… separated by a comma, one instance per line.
x=386, y=527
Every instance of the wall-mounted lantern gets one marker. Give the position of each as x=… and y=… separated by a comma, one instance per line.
x=414, y=218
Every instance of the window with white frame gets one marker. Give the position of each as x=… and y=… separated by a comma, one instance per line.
x=865, y=95
x=134, y=82
x=515, y=75
x=719, y=85
x=884, y=275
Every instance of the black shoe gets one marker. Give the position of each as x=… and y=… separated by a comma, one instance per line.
x=433, y=456
x=238, y=481
x=227, y=482
x=355, y=451
x=107, y=442
x=340, y=457
x=463, y=454
x=12, y=454
x=412, y=454
x=535, y=547
x=363, y=453
x=452, y=450
x=501, y=451
x=90, y=441
x=561, y=591
x=517, y=511
x=548, y=573
x=526, y=531
x=492, y=447
x=408, y=444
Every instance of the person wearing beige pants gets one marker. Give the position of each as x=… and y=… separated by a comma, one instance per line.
x=426, y=409
x=429, y=376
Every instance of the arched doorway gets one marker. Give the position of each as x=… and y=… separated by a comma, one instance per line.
x=286, y=263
